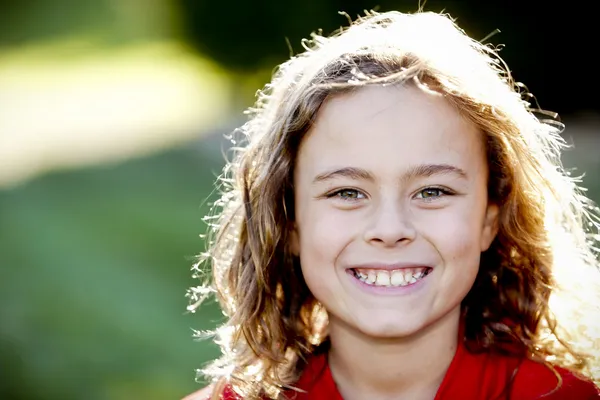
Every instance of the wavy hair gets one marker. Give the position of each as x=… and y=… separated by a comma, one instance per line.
x=538, y=284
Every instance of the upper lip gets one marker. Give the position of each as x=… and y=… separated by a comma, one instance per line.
x=390, y=266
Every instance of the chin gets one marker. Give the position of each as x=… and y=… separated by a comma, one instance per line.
x=390, y=328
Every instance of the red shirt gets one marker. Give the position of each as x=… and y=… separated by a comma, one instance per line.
x=470, y=377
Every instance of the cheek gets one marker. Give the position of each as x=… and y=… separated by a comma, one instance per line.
x=319, y=250
x=323, y=235
x=456, y=237
x=457, y=245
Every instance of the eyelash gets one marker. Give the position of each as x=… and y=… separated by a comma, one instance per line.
x=338, y=193
x=443, y=192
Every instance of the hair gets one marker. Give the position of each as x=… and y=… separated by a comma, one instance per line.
x=536, y=291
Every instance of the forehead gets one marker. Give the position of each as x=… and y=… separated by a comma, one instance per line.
x=397, y=125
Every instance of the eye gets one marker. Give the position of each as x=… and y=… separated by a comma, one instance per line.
x=431, y=193
x=347, y=194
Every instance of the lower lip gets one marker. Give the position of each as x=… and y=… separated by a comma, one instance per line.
x=389, y=290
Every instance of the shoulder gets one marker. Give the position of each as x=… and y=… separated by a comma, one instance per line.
x=207, y=392
x=536, y=379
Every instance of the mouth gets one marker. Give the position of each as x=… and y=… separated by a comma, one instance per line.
x=390, y=277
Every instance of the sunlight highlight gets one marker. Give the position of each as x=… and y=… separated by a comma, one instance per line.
x=64, y=105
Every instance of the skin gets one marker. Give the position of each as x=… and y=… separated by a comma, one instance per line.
x=391, y=176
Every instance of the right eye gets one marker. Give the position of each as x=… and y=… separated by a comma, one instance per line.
x=347, y=194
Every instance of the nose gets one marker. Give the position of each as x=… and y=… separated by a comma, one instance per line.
x=390, y=224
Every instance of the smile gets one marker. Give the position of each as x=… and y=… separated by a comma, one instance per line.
x=391, y=278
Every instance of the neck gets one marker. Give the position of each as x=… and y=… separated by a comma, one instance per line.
x=410, y=367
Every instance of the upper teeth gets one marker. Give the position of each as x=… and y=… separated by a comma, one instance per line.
x=397, y=277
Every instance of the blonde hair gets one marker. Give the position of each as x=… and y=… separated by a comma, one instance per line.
x=537, y=289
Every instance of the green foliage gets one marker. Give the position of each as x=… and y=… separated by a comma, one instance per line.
x=95, y=265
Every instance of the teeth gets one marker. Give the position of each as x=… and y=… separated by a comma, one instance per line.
x=397, y=278
x=390, y=278
x=372, y=277
x=383, y=278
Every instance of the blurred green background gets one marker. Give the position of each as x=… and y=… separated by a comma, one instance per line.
x=111, y=121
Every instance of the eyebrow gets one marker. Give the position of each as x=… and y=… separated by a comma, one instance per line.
x=416, y=171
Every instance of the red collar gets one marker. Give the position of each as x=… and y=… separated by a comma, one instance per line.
x=470, y=376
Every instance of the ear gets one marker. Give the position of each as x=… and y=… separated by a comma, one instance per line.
x=294, y=239
x=490, y=226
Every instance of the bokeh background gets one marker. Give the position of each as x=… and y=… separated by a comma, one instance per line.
x=112, y=115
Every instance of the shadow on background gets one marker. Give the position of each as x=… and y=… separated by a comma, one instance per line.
x=110, y=141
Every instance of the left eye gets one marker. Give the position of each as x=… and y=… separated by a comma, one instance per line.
x=429, y=193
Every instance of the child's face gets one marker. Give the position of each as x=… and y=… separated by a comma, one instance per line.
x=391, y=210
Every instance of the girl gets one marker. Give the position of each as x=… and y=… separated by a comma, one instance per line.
x=398, y=226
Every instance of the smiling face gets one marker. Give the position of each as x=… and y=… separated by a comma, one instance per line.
x=391, y=210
